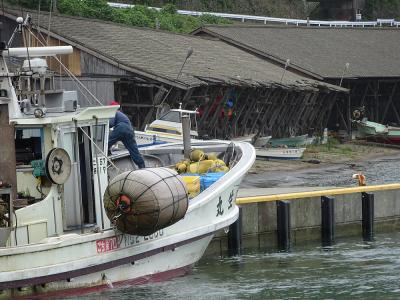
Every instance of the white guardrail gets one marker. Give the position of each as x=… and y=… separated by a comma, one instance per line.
x=297, y=22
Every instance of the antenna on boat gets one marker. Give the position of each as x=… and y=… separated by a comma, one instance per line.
x=18, y=29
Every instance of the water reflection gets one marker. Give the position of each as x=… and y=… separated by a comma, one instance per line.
x=350, y=269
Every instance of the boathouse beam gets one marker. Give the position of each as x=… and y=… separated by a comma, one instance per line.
x=277, y=106
x=213, y=96
x=215, y=117
x=259, y=105
x=227, y=125
x=283, y=119
x=310, y=107
x=241, y=106
x=269, y=107
x=263, y=111
x=246, y=117
x=303, y=108
x=323, y=103
x=390, y=101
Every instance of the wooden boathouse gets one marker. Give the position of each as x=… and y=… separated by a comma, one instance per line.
x=236, y=92
x=364, y=60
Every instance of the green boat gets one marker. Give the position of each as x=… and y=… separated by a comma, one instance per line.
x=369, y=129
x=293, y=141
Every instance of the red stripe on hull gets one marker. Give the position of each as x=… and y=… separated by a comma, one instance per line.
x=153, y=278
x=386, y=140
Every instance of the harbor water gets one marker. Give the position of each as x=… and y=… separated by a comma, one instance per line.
x=351, y=269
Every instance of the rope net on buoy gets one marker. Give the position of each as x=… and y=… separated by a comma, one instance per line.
x=143, y=201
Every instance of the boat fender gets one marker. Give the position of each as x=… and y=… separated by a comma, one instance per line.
x=140, y=202
x=124, y=204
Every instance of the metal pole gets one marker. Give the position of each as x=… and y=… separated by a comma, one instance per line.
x=327, y=221
x=79, y=175
x=98, y=171
x=186, y=135
x=283, y=224
x=235, y=236
x=367, y=216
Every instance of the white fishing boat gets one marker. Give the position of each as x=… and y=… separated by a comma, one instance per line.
x=167, y=128
x=80, y=222
x=279, y=153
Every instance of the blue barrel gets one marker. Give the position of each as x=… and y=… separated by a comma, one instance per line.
x=208, y=179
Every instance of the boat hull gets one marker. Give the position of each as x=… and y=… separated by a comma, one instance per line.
x=280, y=153
x=370, y=129
x=294, y=141
x=391, y=136
x=171, y=263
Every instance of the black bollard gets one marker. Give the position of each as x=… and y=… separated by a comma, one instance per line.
x=283, y=224
x=367, y=216
x=235, y=236
x=327, y=221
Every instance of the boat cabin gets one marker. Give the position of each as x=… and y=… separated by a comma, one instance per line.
x=61, y=159
x=170, y=124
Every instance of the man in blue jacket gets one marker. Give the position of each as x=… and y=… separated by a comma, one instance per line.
x=123, y=131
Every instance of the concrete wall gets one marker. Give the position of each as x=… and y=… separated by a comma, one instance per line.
x=259, y=221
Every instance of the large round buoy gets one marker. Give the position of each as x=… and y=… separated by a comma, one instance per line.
x=143, y=201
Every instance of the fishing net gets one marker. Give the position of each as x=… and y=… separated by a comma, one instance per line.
x=143, y=201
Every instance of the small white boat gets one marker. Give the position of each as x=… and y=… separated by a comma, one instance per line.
x=279, y=153
x=262, y=141
x=246, y=138
x=167, y=128
x=73, y=228
x=292, y=141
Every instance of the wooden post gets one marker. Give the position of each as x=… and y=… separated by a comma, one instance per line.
x=367, y=216
x=186, y=135
x=283, y=224
x=327, y=221
x=7, y=149
x=235, y=236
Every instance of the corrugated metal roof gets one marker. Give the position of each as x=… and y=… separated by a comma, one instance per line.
x=159, y=54
x=371, y=52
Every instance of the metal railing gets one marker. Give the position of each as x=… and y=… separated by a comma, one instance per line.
x=265, y=20
x=319, y=193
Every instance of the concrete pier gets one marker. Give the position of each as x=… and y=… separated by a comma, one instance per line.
x=260, y=220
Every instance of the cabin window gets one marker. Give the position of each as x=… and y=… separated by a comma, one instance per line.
x=98, y=137
x=150, y=128
x=172, y=116
x=28, y=145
